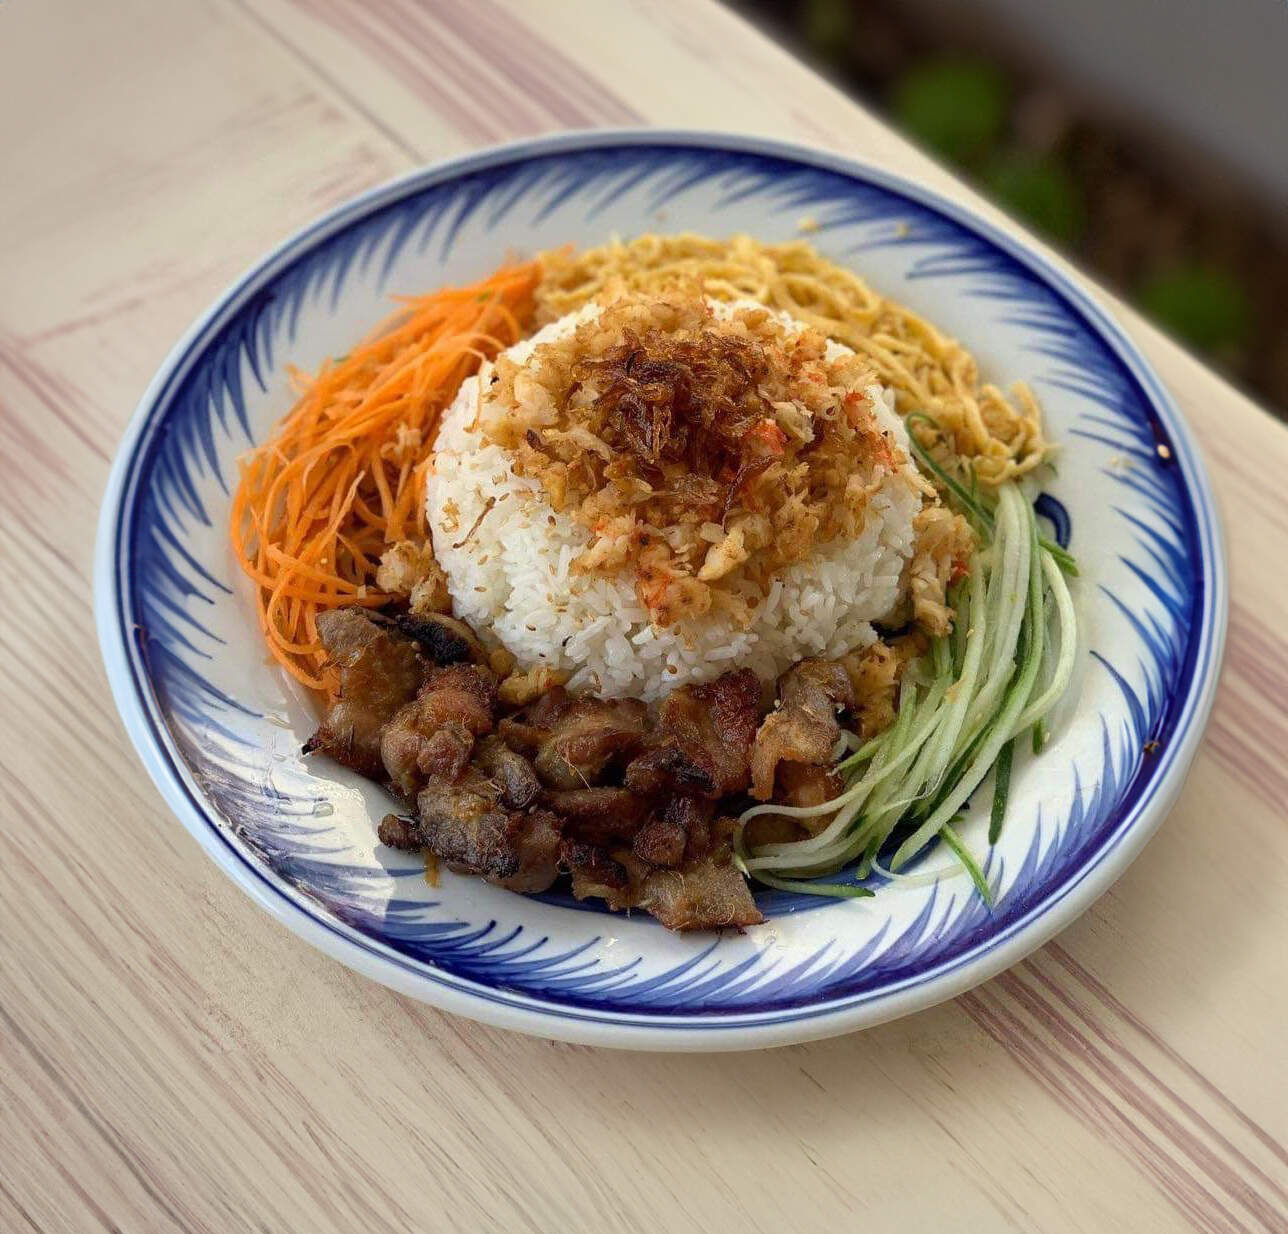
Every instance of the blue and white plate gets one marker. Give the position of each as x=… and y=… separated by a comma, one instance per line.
x=220, y=731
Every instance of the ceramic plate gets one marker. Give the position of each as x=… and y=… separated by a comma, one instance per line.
x=220, y=731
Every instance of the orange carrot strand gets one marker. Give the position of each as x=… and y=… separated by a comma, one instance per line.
x=343, y=475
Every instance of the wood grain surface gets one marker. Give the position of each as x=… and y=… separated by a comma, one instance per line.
x=170, y=1059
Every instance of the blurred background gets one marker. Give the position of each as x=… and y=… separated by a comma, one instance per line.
x=1148, y=139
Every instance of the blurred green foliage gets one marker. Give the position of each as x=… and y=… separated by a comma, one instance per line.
x=961, y=107
x=829, y=26
x=1203, y=305
x=1040, y=189
x=957, y=107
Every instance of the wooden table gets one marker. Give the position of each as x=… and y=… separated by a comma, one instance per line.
x=171, y=1060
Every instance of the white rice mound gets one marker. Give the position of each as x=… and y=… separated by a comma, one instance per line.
x=512, y=578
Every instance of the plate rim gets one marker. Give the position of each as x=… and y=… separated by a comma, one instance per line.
x=716, y=1031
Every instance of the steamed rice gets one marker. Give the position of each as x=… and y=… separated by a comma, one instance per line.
x=508, y=558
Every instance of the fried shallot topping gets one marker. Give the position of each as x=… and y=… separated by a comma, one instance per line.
x=703, y=452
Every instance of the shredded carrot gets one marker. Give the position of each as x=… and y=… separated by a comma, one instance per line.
x=343, y=475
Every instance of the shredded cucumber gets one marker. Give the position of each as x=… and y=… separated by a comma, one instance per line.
x=999, y=674
x=1001, y=787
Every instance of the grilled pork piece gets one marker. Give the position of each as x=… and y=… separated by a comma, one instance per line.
x=466, y=824
x=510, y=771
x=660, y=842
x=602, y=816
x=598, y=875
x=399, y=832
x=434, y=735
x=574, y=740
x=535, y=838
x=703, y=895
x=806, y=784
x=680, y=832
x=804, y=728
x=704, y=892
x=568, y=784
x=380, y=670
x=797, y=784
x=703, y=739
x=444, y=639
x=707, y=891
